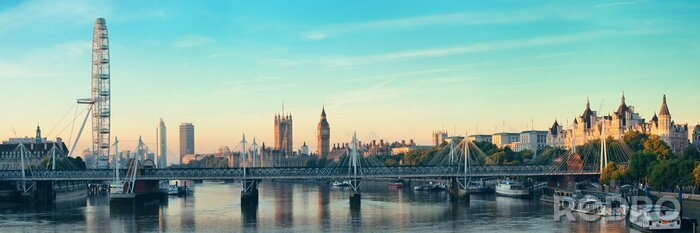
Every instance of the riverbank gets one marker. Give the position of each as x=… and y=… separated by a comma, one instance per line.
x=686, y=196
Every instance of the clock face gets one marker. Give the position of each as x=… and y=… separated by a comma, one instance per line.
x=324, y=131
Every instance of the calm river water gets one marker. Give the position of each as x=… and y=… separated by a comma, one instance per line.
x=307, y=207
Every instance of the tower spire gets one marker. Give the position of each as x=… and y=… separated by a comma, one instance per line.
x=623, y=97
x=588, y=103
x=38, y=134
x=664, y=108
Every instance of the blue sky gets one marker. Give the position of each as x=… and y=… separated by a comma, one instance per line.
x=386, y=69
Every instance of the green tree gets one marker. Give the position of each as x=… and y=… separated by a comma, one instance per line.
x=662, y=175
x=685, y=172
x=635, y=139
x=671, y=173
x=422, y=156
x=657, y=146
x=691, y=153
x=639, y=165
x=523, y=156
x=612, y=171
x=696, y=175
x=487, y=147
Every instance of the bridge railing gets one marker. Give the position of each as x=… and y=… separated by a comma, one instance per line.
x=303, y=172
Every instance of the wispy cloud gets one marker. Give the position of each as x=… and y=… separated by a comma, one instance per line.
x=425, y=21
x=42, y=12
x=54, y=61
x=376, y=93
x=622, y=3
x=459, y=50
x=315, y=35
x=191, y=41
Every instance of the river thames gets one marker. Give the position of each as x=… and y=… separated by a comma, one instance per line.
x=307, y=207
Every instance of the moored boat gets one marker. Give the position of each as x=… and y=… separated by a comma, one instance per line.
x=435, y=187
x=479, y=187
x=589, y=204
x=344, y=183
x=511, y=189
x=397, y=184
x=173, y=190
x=654, y=218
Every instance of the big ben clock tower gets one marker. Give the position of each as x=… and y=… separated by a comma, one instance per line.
x=323, y=134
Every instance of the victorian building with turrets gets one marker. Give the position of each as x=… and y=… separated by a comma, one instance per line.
x=589, y=126
x=675, y=135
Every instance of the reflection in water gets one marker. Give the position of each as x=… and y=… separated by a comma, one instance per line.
x=356, y=218
x=249, y=215
x=324, y=213
x=283, y=204
x=304, y=207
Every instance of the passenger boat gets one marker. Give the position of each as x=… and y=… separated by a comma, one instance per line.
x=173, y=190
x=654, y=218
x=116, y=187
x=479, y=187
x=614, y=208
x=397, y=184
x=589, y=204
x=344, y=183
x=435, y=187
x=566, y=202
x=511, y=189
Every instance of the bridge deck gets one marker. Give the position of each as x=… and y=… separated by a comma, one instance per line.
x=302, y=173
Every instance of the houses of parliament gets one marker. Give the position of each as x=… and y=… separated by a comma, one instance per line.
x=284, y=134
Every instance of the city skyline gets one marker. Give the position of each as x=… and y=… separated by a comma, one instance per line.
x=380, y=89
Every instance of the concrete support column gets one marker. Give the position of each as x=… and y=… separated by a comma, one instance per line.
x=458, y=194
x=249, y=192
x=355, y=194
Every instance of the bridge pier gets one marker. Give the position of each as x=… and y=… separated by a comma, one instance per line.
x=249, y=192
x=48, y=193
x=458, y=194
x=355, y=194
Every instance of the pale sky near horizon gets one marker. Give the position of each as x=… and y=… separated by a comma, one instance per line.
x=386, y=69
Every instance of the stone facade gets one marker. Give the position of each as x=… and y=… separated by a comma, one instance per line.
x=504, y=139
x=439, y=137
x=283, y=135
x=695, y=137
x=323, y=136
x=675, y=135
x=589, y=126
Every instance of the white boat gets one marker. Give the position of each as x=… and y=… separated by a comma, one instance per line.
x=479, y=187
x=615, y=208
x=512, y=189
x=173, y=190
x=589, y=204
x=434, y=187
x=344, y=183
x=116, y=187
x=654, y=218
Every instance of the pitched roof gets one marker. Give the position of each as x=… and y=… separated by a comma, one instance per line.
x=623, y=108
x=555, y=127
x=664, y=108
x=586, y=116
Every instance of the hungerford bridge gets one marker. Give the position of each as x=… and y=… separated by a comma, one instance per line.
x=458, y=162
